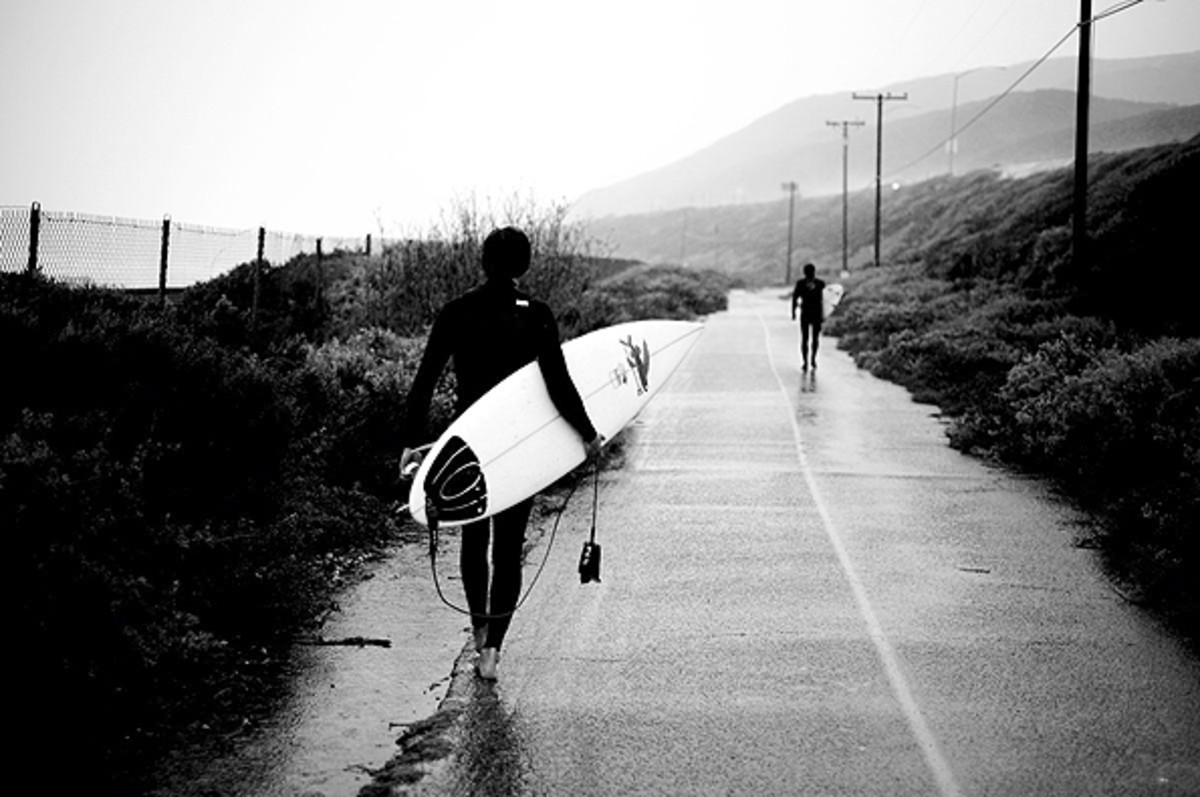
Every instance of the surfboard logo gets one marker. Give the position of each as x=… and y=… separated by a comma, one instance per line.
x=638, y=360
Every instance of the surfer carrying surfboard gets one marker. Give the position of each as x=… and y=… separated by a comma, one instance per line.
x=490, y=332
x=809, y=295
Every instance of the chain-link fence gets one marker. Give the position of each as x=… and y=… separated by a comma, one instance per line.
x=137, y=254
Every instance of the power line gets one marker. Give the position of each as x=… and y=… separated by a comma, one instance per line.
x=903, y=37
x=970, y=18
x=995, y=101
x=971, y=47
x=1116, y=9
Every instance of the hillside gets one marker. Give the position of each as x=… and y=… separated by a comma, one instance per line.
x=795, y=143
x=749, y=241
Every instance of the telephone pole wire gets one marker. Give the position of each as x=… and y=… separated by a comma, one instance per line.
x=790, y=187
x=846, y=124
x=879, y=99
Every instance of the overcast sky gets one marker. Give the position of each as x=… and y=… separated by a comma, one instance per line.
x=339, y=118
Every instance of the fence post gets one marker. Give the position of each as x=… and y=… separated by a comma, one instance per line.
x=35, y=226
x=258, y=264
x=162, y=259
x=368, y=244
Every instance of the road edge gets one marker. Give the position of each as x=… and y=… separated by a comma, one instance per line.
x=428, y=748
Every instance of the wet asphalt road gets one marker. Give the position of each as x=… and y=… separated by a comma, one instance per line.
x=805, y=591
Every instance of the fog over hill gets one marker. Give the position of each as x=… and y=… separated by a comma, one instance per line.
x=1137, y=102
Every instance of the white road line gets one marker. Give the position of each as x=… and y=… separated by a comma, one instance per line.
x=938, y=767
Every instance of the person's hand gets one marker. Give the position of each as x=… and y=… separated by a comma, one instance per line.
x=410, y=460
x=593, y=447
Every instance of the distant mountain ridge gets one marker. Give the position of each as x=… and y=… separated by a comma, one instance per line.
x=1027, y=127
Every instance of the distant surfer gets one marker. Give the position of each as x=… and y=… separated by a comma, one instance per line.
x=491, y=332
x=809, y=295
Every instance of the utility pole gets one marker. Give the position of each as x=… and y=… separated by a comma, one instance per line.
x=879, y=99
x=1079, y=239
x=790, y=187
x=846, y=125
x=952, y=144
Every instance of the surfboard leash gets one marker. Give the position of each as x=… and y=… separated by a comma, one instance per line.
x=433, y=550
x=589, y=558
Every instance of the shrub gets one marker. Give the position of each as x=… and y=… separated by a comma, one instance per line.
x=954, y=366
x=1087, y=413
x=1121, y=430
x=367, y=378
x=167, y=520
x=670, y=292
x=404, y=289
x=292, y=303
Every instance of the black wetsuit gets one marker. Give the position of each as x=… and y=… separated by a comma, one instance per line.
x=491, y=332
x=809, y=294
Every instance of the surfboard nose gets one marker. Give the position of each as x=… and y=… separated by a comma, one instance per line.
x=455, y=488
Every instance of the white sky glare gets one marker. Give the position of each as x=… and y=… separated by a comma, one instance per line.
x=339, y=118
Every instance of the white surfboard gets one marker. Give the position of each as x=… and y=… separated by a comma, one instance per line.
x=830, y=297
x=512, y=442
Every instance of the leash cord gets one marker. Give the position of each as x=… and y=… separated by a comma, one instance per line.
x=595, y=500
x=433, y=548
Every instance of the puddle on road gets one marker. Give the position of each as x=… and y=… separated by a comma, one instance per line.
x=349, y=704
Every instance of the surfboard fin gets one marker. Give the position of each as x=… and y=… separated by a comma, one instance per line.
x=455, y=486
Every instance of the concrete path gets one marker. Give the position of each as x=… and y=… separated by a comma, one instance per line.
x=347, y=704
x=805, y=591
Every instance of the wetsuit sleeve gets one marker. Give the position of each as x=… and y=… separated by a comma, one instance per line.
x=420, y=394
x=795, y=299
x=562, y=389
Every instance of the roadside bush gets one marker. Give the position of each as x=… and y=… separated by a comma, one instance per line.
x=292, y=303
x=670, y=292
x=1087, y=413
x=169, y=525
x=368, y=377
x=1142, y=228
x=880, y=303
x=1051, y=347
x=955, y=367
x=404, y=289
x=1121, y=431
